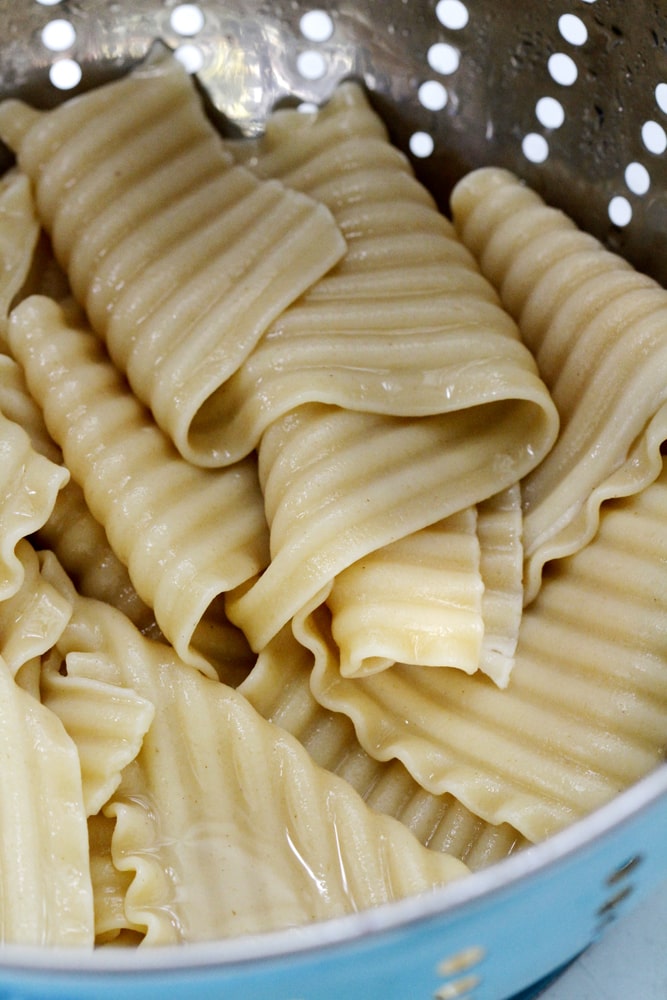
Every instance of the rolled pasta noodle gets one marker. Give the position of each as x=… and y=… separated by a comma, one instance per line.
x=228, y=826
x=181, y=258
x=597, y=329
x=186, y=534
x=584, y=714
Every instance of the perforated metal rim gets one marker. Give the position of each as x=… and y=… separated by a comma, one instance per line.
x=570, y=94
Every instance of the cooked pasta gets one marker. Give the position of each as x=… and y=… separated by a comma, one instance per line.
x=181, y=258
x=185, y=534
x=29, y=484
x=279, y=688
x=44, y=845
x=278, y=445
x=584, y=713
x=19, y=231
x=228, y=826
x=597, y=329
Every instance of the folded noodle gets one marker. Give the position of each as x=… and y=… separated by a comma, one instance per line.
x=417, y=600
x=180, y=257
x=404, y=324
x=585, y=713
x=107, y=723
x=109, y=884
x=279, y=688
x=228, y=826
x=44, y=843
x=186, y=534
x=29, y=485
x=395, y=393
x=33, y=618
x=339, y=484
x=598, y=331
x=19, y=233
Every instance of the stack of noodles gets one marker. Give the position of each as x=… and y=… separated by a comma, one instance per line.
x=276, y=461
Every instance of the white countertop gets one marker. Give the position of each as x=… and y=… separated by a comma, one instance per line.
x=628, y=963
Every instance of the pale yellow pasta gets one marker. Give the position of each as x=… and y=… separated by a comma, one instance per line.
x=597, y=329
x=185, y=534
x=29, y=484
x=339, y=484
x=32, y=619
x=19, y=231
x=584, y=713
x=44, y=844
x=109, y=884
x=181, y=258
x=416, y=600
x=279, y=688
x=500, y=533
x=228, y=825
x=404, y=324
x=106, y=722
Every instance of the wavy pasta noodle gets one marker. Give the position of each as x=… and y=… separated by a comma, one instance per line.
x=279, y=688
x=214, y=818
x=181, y=257
x=584, y=713
x=19, y=232
x=597, y=329
x=29, y=484
x=186, y=534
x=284, y=454
x=44, y=844
x=32, y=619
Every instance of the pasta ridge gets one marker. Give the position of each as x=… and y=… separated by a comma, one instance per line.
x=289, y=242
x=598, y=334
x=178, y=567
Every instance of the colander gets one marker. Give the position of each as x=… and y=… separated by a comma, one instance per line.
x=572, y=96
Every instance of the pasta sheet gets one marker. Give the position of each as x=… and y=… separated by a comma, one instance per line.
x=228, y=826
x=597, y=329
x=584, y=714
x=186, y=534
x=181, y=258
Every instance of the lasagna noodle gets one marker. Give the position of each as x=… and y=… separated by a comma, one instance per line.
x=44, y=843
x=29, y=485
x=448, y=595
x=181, y=258
x=32, y=619
x=597, y=329
x=585, y=713
x=107, y=723
x=339, y=484
x=404, y=324
x=417, y=600
x=279, y=688
x=228, y=826
x=109, y=884
x=19, y=232
x=186, y=534
x=71, y=531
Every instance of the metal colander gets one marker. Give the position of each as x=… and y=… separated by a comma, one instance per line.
x=572, y=96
